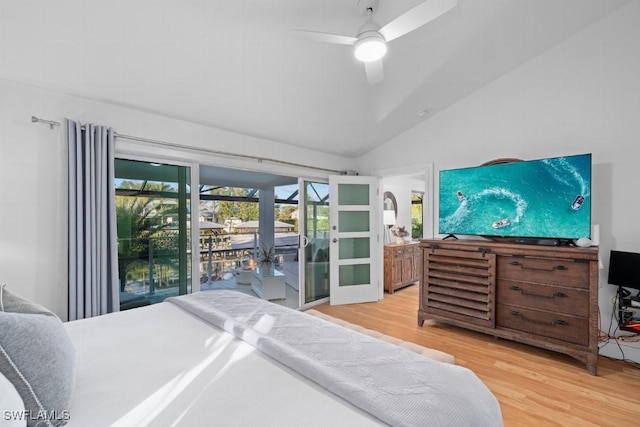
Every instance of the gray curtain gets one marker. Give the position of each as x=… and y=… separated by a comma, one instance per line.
x=93, y=255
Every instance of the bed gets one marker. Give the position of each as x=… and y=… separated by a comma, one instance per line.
x=226, y=358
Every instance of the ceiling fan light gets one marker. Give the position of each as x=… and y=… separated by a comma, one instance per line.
x=370, y=47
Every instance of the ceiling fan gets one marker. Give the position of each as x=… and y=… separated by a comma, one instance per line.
x=370, y=42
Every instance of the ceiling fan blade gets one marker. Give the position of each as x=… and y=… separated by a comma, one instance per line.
x=375, y=71
x=416, y=17
x=324, y=37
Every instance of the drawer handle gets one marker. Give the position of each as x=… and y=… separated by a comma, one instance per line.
x=522, y=266
x=552, y=323
x=523, y=292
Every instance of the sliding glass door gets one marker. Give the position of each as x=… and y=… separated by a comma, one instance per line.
x=153, y=209
x=313, y=212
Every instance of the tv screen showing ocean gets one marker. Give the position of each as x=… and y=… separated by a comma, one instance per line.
x=547, y=198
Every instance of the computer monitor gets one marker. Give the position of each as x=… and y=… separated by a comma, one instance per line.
x=624, y=269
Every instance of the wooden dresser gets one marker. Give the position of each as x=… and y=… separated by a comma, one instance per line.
x=402, y=265
x=546, y=296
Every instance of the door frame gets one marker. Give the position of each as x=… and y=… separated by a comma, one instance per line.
x=428, y=224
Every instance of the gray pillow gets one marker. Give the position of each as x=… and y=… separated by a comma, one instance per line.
x=38, y=358
x=13, y=303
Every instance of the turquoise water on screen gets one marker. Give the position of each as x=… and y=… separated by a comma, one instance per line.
x=533, y=198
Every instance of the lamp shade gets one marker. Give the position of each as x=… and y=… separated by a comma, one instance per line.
x=389, y=217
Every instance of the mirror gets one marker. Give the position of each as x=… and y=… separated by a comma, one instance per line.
x=390, y=203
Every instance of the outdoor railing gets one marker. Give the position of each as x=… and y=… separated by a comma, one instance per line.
x=150, y=265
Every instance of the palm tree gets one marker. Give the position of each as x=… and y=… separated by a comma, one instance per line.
x=139, y=226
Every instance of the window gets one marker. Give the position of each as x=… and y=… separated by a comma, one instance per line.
x=416, y=215
x=152, y=214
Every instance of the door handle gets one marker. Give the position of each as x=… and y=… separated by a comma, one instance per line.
x=304, y=241
x=334, y=240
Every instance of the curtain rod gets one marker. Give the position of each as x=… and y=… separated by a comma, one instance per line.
x=52, y=123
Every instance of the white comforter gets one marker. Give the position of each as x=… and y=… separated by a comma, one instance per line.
x=396, y=385
x=161, y=365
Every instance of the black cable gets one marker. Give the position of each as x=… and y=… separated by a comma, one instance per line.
x=609, y=335
x=629, y=362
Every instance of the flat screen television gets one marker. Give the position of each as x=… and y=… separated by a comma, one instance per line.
x=543, y=199
x=624, y=269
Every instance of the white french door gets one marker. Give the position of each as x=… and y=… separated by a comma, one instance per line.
x=353, y=234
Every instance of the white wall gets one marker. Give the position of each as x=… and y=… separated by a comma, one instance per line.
x=33, y=176
x=402, y=188
x=580, y=96
x=33, y=198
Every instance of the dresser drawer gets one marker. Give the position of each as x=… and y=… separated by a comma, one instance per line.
x=551, y=271
x=544, y=297
x=538, y=322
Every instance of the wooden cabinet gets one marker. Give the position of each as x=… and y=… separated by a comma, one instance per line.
x=402, y=265
x=538, y=295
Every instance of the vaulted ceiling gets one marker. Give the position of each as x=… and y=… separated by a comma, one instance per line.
x=236, y=64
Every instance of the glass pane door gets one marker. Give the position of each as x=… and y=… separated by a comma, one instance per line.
x=353, y=239
x=354, y=195
x=153, y=228
x=314, y=248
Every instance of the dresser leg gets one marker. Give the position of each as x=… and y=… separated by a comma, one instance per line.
x=421, y=319
x=592, y=363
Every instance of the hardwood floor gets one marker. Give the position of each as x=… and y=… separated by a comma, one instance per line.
x=534, y=386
